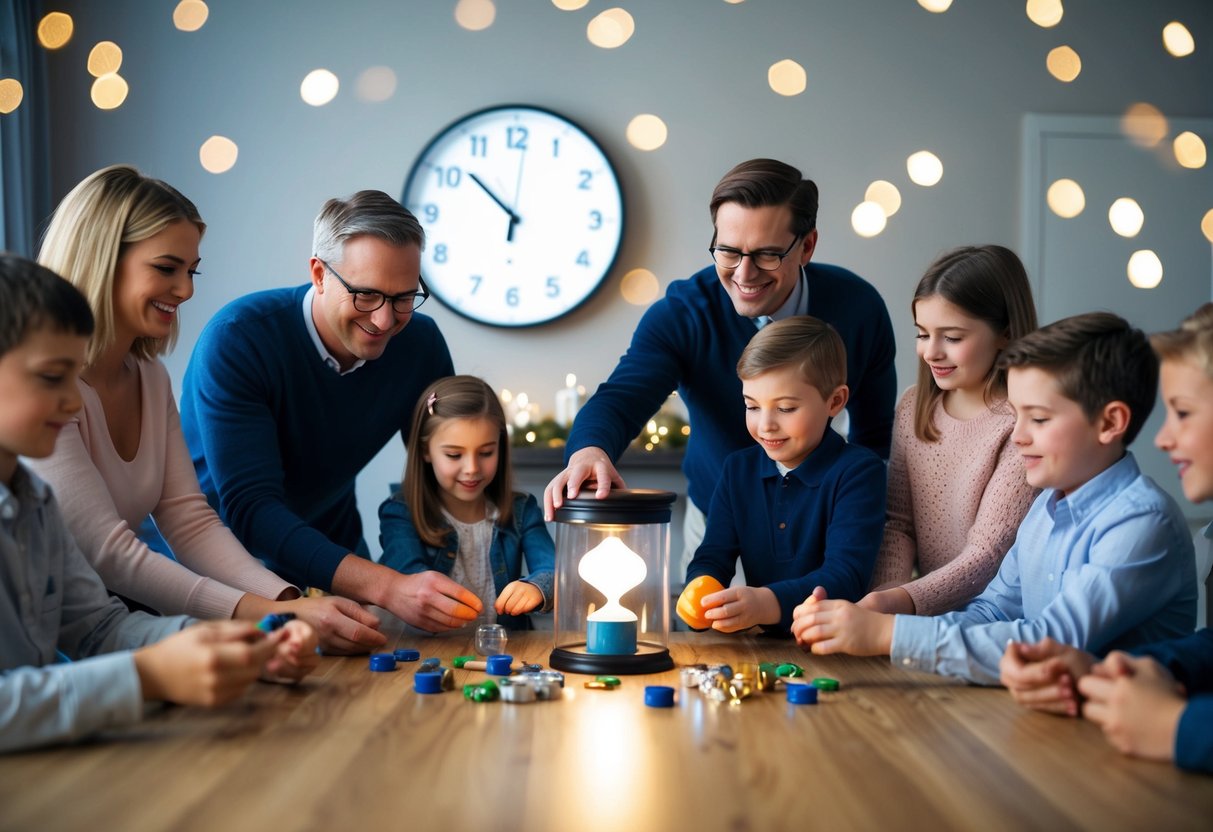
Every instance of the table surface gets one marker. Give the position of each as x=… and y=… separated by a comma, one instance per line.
x=890, y=750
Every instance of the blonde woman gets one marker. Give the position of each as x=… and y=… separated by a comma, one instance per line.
x=130, y=243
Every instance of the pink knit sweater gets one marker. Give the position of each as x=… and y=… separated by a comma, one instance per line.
x=954, y=506
x=105, y=499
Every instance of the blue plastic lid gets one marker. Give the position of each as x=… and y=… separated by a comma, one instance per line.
x=659, y=696
x=799, y=694
x=428, y=681
x=383, y=662
x=407, y=655
x=499, y=665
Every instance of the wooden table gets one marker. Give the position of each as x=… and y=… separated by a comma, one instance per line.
x=351, y=749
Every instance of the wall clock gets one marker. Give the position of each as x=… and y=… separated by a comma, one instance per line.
x=523, y=215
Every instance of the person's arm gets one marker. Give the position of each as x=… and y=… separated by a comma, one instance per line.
x=899, y=543
x=539, y=551
x=851, y=541
x=717, y=554
x=402, y=546
x=1004, y=502
x=874, y=397
x=1190, y=659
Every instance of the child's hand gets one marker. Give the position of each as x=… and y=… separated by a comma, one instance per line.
x=740, y=608
x=295, y=656
x=518, y=597
x=1137, y=702
x=1044, y=675
x=895, y=601
x=342, y=626
x=825, y=627
x=207, y=664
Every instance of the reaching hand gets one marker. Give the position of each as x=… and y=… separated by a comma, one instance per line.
x=740, y=608
x=343, y=626
x=207, y=664
x=517, y=598
x=822, y=626
x=295, y=656
x=432, y=601
x=1044, y=676
x=587, y=465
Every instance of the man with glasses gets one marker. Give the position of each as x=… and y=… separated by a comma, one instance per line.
x=291, y=392
x=765, y=232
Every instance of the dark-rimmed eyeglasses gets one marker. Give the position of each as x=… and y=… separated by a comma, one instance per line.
x=368, y=300
x=730, y=258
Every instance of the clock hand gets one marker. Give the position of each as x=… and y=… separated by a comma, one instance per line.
x=514, y=218
x=517, y=193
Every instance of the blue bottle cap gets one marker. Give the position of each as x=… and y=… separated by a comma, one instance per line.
x=659, y=696
x=432, y=663
x=499, y=665
x=801, y=694
x=383, y=662
x=428, y=681
x=407, y=655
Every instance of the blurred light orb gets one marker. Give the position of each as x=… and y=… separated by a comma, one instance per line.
x=1144, y=124
x=1045, y=13
x=319, y=87
x=868, y=219
x=1190, y=150
x=787, y=77
x=569, y=5
x=218, y=154
x=936, y=6
x=924, y=168
x=104, y=58
x=109, y=91
x=1177, y=40
x=639, y=287
x=55, y=30
x=647, y=132
x=376, y=83
x=884, y=194
x=1063, y=64
x=1066, y=199
x=11, y=93
x=1145, y=269
x=1206, y=225
x=1126, y=217
x=475, y=15
x=610, y=29
x=190, y=15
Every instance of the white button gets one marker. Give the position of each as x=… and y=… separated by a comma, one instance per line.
x=907, y=662
x=1050, y=576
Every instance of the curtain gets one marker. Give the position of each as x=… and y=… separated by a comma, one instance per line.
x=25, y=190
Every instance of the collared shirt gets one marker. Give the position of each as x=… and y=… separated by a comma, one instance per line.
x=1110, y=566
x=50, y=600
x=325, y=355
x=796, y=304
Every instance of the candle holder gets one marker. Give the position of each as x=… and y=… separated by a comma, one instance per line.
x=612, y=583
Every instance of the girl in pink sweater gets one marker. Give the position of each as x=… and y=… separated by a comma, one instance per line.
x=130, y=245
x=957, y=490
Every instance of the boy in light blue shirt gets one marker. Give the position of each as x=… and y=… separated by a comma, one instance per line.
x=1103, y=560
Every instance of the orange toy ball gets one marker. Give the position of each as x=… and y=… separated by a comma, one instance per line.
x=690, y=603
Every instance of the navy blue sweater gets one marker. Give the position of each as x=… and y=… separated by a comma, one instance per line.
x=1190, y=660
x=278, y=437
x=690, y=340
x=820, y=525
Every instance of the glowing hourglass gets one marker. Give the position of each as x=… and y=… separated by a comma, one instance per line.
x=612, y=569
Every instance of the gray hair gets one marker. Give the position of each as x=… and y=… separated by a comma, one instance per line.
x=373, y=213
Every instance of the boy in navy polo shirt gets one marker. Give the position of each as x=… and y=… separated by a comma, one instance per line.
x=802, y=508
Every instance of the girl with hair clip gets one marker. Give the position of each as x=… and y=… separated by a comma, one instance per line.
x=957, y=490
x=129, y=243
x=457, y=513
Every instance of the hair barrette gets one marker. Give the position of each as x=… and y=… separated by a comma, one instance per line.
x=429, y=403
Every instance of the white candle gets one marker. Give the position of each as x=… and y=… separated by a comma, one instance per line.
x=568, y=401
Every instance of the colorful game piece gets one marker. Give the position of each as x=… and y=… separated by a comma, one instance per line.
x=789, y=670
x=690, y=602
x=383, y=662
x=613, y=681
x=404, y=655
x=825, y=683
x=596, y=685
x=498, y=665
x=427, y=681
x=486, y=691
x=658, y=696
x=516, y=691
x=460, y=661
x=802, y=694
x=275, y=621
x=432, y=663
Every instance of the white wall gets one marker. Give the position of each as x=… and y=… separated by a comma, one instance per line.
x=886, y=78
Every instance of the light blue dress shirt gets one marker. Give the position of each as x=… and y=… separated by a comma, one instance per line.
x=1111, y=566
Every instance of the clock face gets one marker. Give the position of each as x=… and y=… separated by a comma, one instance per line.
x=522, y=212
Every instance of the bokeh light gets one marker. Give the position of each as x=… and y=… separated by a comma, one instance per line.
x=1177, y=40
x=11, y=94
x=868, y=219
x=190, y=15
x=787, y=77
x=1190, y=150
x=1206, y=225
x=376, y=83
x=611, y=29
x=1066, y=199
x=924, y=168
x=884, y=194
x=104, y=58
x=1063, y=64
x=109, y=91
x=569, y=5
x=647, y=132
x=475, y=15
x=639, y=287
x=218, y=154
x=55, y=30
x=1126, y=217
x=1145, y=269
x=1144, y=124
x=936, y=6
x=319, y=87
x=1045, y=13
